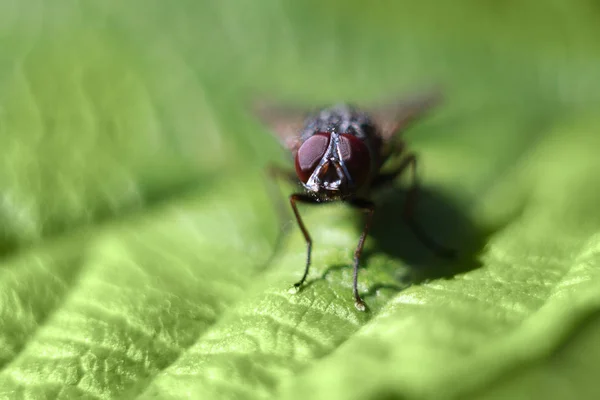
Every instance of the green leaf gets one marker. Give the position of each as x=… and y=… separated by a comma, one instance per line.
x=139, y=252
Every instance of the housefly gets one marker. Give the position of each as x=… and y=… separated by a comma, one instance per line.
x=340, y=152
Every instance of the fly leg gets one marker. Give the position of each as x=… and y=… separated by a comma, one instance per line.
x=368, y=207
x=290, y=176
x=303, y=198
x=410, y=161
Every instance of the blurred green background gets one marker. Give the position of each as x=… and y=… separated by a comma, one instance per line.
x=138, y=250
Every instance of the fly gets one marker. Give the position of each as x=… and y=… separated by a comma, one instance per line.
x=339, y=154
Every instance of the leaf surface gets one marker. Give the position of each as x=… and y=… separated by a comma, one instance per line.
x=138, y=233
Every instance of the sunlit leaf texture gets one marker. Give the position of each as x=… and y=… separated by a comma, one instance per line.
x=138, y=231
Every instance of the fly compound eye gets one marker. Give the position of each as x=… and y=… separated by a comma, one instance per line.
x=356, y=157
x=310, y=154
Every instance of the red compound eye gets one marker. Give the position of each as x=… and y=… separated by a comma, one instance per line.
x=310, y=153
x=355, y=155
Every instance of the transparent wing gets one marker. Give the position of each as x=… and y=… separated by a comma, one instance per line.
x=286, y=122
x=395, y=115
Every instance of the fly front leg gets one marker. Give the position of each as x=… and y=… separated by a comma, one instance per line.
x=303, y=198
x=368, y=207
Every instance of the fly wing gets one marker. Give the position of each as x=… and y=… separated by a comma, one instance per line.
x=394, y=116
x=285, y=122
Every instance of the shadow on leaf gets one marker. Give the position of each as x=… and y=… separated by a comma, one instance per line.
x=441, y=219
